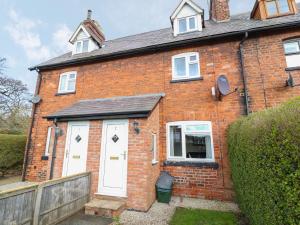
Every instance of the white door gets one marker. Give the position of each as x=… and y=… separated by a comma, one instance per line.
x=113, y=164
x=76, y=148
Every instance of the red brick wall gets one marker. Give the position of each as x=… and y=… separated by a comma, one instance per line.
x=151, y=73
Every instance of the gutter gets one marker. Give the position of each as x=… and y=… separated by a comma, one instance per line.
x=160, y=47
x=28, y=142
x=242, y=61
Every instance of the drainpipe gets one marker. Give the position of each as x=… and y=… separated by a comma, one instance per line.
x=33, y=111
x=56, y=135
x=242, y=61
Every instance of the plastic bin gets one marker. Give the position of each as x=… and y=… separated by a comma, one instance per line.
x=164, y=186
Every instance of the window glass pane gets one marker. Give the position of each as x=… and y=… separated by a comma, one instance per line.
x=175, y=141
x=78, y=47
x=197, y=128
x=283, y=6
x=72, y=76
x=193, y=58
x=272, y=8
x=198, y=146
x=180, y=67
x=85, y=47
x=63, y=81
x=291, y=47
x=71, y=85
x=192, y=23
x=182, y=25
x=193, y=69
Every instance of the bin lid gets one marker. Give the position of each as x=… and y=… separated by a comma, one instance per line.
x=165, y=180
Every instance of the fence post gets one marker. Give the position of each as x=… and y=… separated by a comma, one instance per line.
x=37, y=208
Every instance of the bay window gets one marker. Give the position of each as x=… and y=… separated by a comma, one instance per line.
x=190, y=140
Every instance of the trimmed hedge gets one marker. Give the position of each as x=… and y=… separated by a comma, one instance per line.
x=264, y=151
x=12, y=149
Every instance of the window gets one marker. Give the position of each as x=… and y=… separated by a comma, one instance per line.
x=154, y=148
x=277, y=7
x=82, y=46
x=190, y=140
x=186, y=66
x=67, y=82
x=292, y=53
x=187, y=24
x=48, y=141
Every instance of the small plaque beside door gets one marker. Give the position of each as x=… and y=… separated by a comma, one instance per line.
x=114, y=158
x=76, y=156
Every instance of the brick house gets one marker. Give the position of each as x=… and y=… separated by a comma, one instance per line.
x=129, y=108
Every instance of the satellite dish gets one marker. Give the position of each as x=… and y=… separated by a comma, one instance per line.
x=36, y=99
x=290, y=81
x=223, y=85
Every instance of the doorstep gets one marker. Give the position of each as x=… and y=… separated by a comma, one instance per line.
x=105, y=208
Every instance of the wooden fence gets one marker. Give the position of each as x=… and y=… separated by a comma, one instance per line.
x=46, y=203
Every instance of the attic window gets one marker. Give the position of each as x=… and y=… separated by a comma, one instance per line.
x=277, y=7
x=82, y=46
x=187, y=24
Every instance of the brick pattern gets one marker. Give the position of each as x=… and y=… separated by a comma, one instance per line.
x=144, y=74
x=220, y=10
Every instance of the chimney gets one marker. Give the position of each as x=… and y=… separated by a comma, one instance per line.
x=89, y=15
x=219, y=10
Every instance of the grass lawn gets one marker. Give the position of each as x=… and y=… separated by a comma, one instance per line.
x=184, y=216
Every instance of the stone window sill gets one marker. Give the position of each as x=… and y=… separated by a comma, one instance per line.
x=212, y=165
x=45, y=158
x=66, y=93
x=186, y=80
x=292, y=68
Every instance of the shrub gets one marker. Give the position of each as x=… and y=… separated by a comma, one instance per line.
x=264, y=151
x=11, y=152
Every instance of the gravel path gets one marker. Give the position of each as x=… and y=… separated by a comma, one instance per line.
x=160, y=214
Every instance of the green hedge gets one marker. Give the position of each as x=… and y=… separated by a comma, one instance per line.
x=264, y=151
x=12, y=149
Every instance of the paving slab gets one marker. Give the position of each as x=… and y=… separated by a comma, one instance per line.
x=82, y=219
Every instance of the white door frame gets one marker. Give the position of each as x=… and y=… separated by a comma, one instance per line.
x=102, y=159
x=67, y=144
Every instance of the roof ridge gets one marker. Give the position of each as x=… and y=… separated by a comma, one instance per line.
x=124, y=97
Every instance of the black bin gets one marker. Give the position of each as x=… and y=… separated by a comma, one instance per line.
x=164, y=187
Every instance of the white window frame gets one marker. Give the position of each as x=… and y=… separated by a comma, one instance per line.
x=67, y=81
x=187, y=63
x=188, y=29
x=81, y=49
x=154, y=150
x=292, y=59
x=48, y=141
x=183, y=124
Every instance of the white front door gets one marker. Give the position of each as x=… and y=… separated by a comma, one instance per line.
x=113, y=164
x=76, y=148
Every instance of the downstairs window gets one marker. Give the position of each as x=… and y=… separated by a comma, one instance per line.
x=190, y=140
x=292, y=52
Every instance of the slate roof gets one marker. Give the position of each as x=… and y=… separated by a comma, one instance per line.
x=158, y=39
x=118, y=107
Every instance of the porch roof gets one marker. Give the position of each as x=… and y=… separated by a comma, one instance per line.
x=109, y=108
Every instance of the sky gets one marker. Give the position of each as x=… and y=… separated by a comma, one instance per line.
x=33, y=31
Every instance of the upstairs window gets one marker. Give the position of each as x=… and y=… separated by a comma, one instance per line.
x=186, y=66
x=277, y=7
x=190, y=140
x=187, y=24
x=292, y=52
x=67, y=82
x=82, y=46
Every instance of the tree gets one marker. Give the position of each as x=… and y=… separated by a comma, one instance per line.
x=14, y=108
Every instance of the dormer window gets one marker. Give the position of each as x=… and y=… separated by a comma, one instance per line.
x=277, y=7
x=187, y=24
x=82, y=46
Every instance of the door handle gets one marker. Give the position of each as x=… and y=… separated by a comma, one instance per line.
x=124, y=155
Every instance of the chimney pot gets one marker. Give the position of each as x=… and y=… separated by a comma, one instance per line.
x=89, y=14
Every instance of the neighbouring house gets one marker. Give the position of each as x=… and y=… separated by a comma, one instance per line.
x=129, y=108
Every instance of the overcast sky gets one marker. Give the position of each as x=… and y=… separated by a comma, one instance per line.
x=33, y=31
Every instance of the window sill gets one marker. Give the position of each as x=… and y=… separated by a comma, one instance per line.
x=65, y=93
x=292, y=68
x=186, y=80
x=45, y=158
x=212, y=165
x=154, y=163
